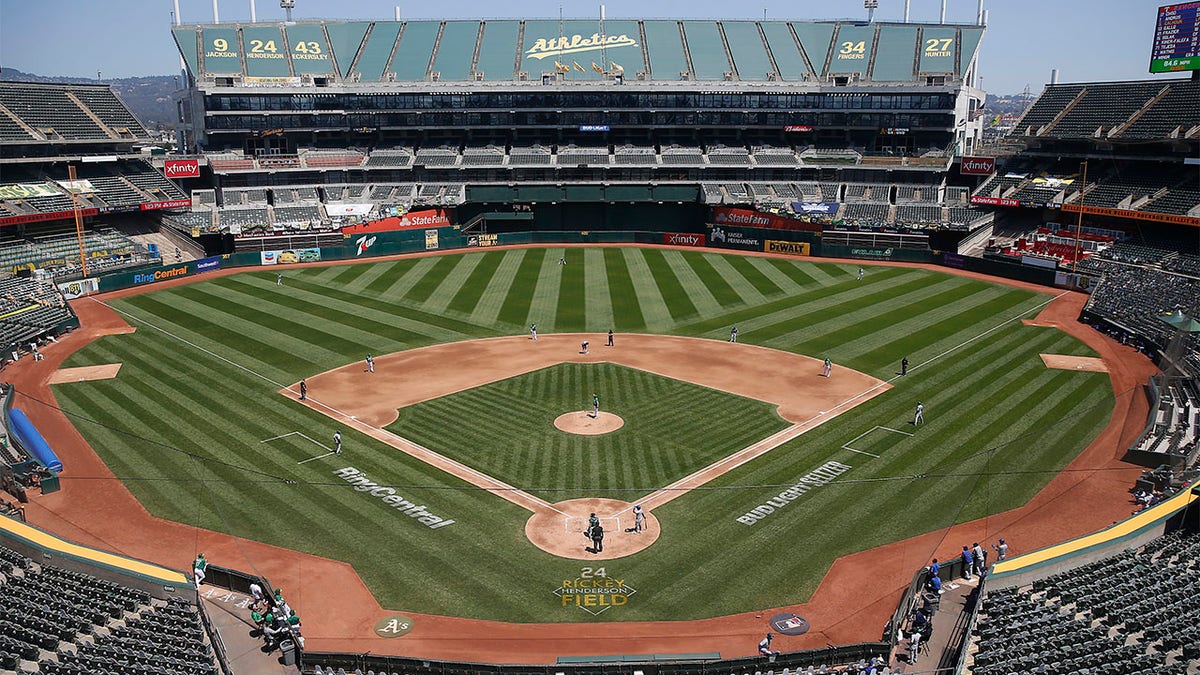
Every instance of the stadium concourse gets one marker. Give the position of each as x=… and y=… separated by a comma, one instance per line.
x=854, y=601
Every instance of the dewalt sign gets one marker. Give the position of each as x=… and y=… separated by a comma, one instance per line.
x=786, y=247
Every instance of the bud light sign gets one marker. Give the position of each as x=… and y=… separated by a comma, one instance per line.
x=978, y=166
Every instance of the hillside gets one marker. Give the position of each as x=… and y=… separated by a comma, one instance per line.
x=148, y=97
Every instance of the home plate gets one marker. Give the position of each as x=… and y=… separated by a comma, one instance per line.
x=105, y=372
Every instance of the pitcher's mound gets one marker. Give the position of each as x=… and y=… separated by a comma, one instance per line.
x=582, y=422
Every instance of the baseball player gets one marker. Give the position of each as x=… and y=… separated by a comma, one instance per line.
x=860, y=273
x=1001, y=550
x=593, y=521
x=370, y=363
x=828, y=370
x=562, y=260
x=919, y=418
x=596, y=406
x=337, y=442
x=533, y=332
x=764, y=647
x=583, y=347
x=198, y=568
x=279, y=279
x=639, y=519
x=597, y=538
x=733, y=334
x=303, y=390
x=904, y=366
x=610, y=337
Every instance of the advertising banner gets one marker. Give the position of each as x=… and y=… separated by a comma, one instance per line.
x=38, y=217
x=75, y=289
x=408, y=221
x=170, y=204
x=977, y=166
x=209, y=264
x=724, y=215
x=723, y=237
x=683, y=239
x=82, y=187
x=787, y=247
x=995, y=201
x=483, y=240
x=1136, y=215
x=431, y=240
x=181, y=168
x=26, y=190
x=289, y=256
x=797, y=128
x=816, y=208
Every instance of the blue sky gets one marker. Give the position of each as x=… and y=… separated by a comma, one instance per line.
x=1085, y=39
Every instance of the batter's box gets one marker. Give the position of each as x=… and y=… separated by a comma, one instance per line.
x=874, y=441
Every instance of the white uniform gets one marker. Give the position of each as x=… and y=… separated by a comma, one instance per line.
x=337, y=442
x=639, y=519
x=533, y=331
x=920, y=416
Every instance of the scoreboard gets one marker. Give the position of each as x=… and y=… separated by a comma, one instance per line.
x=1176, y=38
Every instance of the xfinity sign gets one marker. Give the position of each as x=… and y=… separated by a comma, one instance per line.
x=977, y=166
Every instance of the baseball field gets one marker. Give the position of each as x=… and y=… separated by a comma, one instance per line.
x=196, y=426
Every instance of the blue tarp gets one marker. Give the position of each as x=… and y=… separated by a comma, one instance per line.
x=31, y=439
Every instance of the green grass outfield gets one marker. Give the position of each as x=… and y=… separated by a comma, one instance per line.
x=195, y=419
x=512, y=436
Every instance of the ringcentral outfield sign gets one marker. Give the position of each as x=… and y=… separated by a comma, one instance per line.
x=388, y=496
x=823, y=475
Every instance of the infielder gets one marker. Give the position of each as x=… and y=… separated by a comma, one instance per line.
x=337, y=442
x=583, y=347
x=919, y=418
x=596, y=406
x=828, y=370
x=733, y=334
x=370, y=363
x=610, y=337
x=303, y=390
x=533, y=332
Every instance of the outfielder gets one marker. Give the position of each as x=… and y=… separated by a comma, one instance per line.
x=860, y=273
x=920, y=416
x=279, y=279
x=198, y=568
x=733, y=334
x=583, y=347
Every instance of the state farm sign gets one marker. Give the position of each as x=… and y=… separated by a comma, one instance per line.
x=978, y=166
x=683, y=239
x=182, y=168
x=994, y=201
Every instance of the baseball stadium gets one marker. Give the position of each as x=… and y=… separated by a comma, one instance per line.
x=597, y=346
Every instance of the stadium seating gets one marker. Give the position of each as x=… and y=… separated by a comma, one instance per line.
x=389, y=159
x=1052, y=102
x=489, y=156
x=437, y=157
x=62, y=622
x=1174, y=424
x=531, y=156
x=62, y=111
x=1128, y=613
x=728, y=156
x=1124, y=110
x=315, y=159
x=574, y=156
x=630, y=155
x=768, y=156
x=1177, y=110
x=682, y=156
x=1136, y=297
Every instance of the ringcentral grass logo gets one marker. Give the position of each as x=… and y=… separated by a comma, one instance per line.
x=388, y=495
x=822, y=475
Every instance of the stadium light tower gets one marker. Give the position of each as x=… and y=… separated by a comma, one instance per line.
x=288, y=6
x=871, y=6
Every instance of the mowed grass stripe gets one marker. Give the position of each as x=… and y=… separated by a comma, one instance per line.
x=650, y=299
x=543, y=305
x=571, y=292
x=347, y=274
x=407, y=274
x=371, y=327
x=515, y=309
x=748, y=272
x=431, y=280
x=675, y=297
x=788, y=268
x=698, y=292
x=498, y=288
x=381, y=274
x=453, y=282
x=466, y=299
x=714, y=282
x=597, y=297
x=623, y=298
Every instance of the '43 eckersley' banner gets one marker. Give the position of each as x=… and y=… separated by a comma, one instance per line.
x=724, y=215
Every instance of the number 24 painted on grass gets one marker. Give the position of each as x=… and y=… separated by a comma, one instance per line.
x=589, y=572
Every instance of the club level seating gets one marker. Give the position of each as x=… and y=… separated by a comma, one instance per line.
x=775, y=157
x=736, y=191
x=531, y=156
x=389, y=159
x=956, y=195
x=786, y=191
x=1177, y=201
x=962, y=215
x=437, y=157
x=156, y=185
x=831, y=192
x=231, y=163
x=869, y=192
x=877, y=213
x=916, y=193
x=208, y=197
x=998, y=186
x=1033, y=192
x=489, y=156
x=309, y=213
x=728, y=157
x=682, y=156
x=919, y=214
x=1129, y=613
x=712, y=193
x=810, y=192
x=240, y=197
x=319, y=160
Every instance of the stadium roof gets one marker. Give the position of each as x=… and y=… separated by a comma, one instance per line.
x=507, y=50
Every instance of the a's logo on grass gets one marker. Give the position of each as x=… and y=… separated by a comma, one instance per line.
x=397, y=625
x=593, y=591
